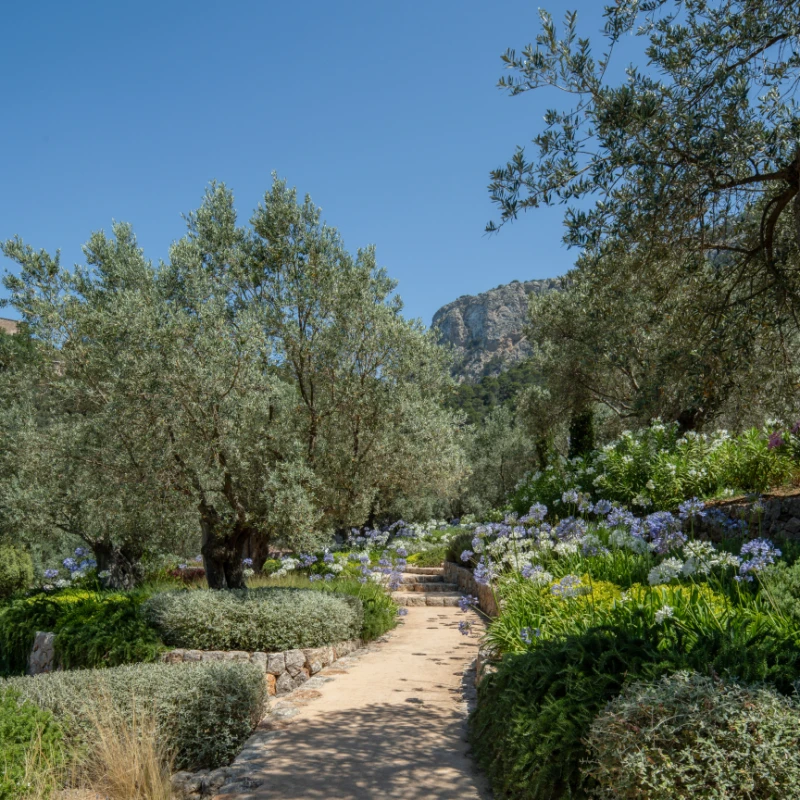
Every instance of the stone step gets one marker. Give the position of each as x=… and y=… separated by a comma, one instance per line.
x=424, y=570
x=427, y=598
x=429, y=587
x=415, y=578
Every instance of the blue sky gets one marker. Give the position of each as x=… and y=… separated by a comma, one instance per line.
x=387, y=114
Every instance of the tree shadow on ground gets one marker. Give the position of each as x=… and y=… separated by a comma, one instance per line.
x=403, y=750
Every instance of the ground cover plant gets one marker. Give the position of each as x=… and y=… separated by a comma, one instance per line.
x=92, y=629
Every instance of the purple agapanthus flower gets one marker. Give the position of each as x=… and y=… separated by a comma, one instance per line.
x=466, y=555
x=602, y=507
x=467, y=600
x=528, y=634
x=691, y=508
x=483, y=573
x=762, y=554
x=776, y=440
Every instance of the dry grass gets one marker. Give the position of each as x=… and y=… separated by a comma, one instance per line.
x=126, y=761
x=123, y=762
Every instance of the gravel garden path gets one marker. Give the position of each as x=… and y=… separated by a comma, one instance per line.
x=388, y=721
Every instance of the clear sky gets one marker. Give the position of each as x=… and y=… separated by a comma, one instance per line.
x=386, y=113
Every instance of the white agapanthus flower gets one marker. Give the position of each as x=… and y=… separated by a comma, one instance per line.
x=663, y=613
x=665, y=572
x=702, y=557
x=566, y=548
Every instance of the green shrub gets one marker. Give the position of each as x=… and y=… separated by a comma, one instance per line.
x=204, y=712
x=93, y=629
x=432, y=557
x=16, y=570
x=656, y=468
x=458, y=544
x=269, y=619
x=19, y=622
x=380, y=611
x=105, y=631
x=693, y=736
x=28, y=735
x=782, y=584
x=533, y=714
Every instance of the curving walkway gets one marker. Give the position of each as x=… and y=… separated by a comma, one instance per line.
x=388, y=721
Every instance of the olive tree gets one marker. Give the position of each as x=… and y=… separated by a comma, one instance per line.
x=262, y=381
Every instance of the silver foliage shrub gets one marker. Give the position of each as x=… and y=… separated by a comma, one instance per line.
x=270, y=619
x=204, y=712
x=692, y=736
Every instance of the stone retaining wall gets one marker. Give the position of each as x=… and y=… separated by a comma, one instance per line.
x=283, y=671
x=780, y=515
x=466, y=583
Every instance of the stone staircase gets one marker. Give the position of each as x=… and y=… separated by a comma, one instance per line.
x=425, y=586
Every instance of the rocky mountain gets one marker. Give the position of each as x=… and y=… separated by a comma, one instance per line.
x=486, y=330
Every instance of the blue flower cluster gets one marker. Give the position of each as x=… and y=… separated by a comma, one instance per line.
x=762, y=553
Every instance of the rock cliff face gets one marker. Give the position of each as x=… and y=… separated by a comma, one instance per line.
x=486, y=330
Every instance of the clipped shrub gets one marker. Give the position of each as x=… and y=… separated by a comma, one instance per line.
x=203, y=712
x=30, y=738
x=93, y=629
x=16, y=570
x=268, y=619
x=692, y=736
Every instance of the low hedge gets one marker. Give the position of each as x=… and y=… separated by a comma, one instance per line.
x=204, y=712
x=266, y=619
x=692, y=736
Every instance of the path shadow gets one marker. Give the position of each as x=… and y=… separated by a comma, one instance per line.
x=408, y=751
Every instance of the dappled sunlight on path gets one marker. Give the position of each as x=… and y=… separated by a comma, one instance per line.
x=391, y=723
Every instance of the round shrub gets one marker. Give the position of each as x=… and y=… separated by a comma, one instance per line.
x=29, y=738
x=691, y=736
x=204, y=712
x=269, y=619
x=16, y=570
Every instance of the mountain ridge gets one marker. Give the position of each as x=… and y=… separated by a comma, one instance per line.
x=487, y=331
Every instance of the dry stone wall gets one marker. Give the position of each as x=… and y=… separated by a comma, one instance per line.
x=283, y=671
x=466, y=583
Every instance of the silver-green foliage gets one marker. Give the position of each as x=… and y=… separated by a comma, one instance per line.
x=693, y=736
x=262, y=387
x=270, y=619
x=204, y=712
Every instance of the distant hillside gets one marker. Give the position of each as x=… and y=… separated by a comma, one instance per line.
x=486, y=330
